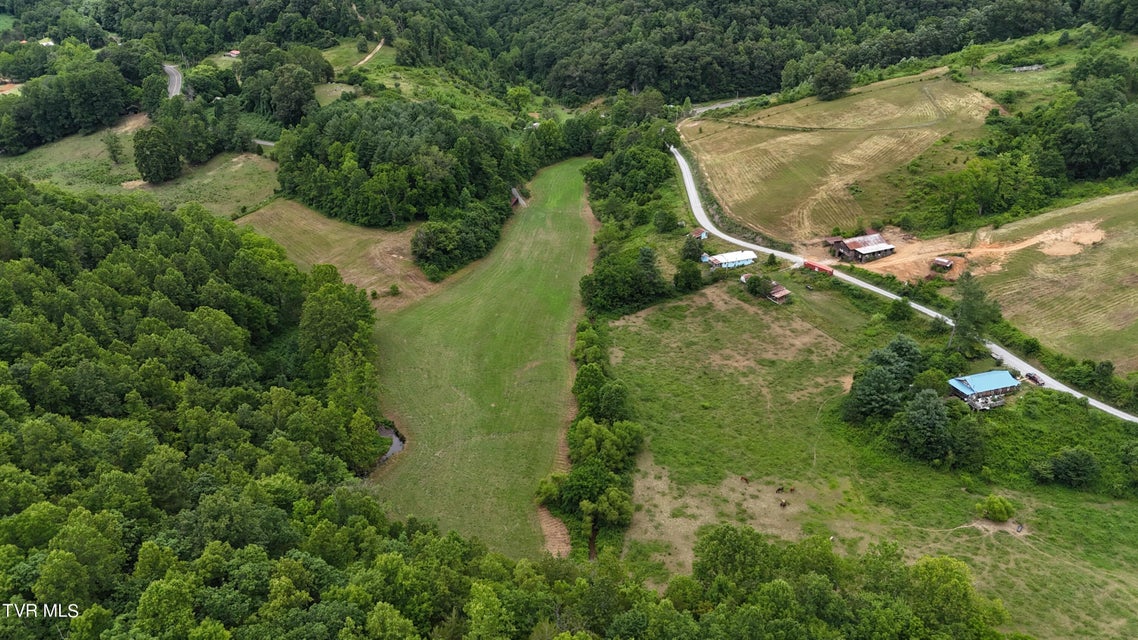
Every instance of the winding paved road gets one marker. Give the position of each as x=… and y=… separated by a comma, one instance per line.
x=1009, y=359
x=173, y=80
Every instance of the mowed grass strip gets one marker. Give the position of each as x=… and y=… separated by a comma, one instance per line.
x=371, y=259
x=478, y=375
x=728, y=387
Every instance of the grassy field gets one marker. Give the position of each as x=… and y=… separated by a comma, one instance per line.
x=729, y=388
x=1040, y=288
x=478, y=375
x=795, y=171
x=371, y=259
x=225, y=185
x=7, y=21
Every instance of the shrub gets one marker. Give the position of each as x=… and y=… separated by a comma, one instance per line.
x=995, y=508
x=1074, y=466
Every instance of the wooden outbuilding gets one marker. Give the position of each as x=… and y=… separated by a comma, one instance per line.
x=699, y=233
x=863, y=248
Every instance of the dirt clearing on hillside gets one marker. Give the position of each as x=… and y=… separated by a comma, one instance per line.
x=977, y=251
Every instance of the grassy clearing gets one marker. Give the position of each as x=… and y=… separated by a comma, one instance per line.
x=371, y=259
x=729, y=388
x=7, y=21
x=331, y=91
x=226, y=185
x=1097, y=284
x=478, y=375
x=798, y=184
x=432, y=83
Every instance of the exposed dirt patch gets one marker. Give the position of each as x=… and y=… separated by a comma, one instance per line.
x=974, y=251
x=133, y=184
x=1009, y=527
x=672, y=515
x=132, y=123
x=555, y=532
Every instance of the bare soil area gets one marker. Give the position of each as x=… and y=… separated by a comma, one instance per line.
x=976, y=251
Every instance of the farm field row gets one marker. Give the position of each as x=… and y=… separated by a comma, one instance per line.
x=739, y=398
x=793, y=170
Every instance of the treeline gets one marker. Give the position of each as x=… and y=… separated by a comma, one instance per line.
x=705, y=50
x=1088, y=132
x=70, y=89
x=603, y=443
x=389, y=162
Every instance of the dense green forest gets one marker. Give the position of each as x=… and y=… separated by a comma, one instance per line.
x=181, y=414
x=184, y=413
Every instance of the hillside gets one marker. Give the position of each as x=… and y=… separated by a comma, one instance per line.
x=793, y=170
x=740, y=398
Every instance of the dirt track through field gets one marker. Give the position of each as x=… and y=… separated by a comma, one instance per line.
x=371, y=55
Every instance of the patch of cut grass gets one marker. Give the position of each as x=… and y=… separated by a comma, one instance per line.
x=1085, y=304
x=371, y=259
x=478, y=375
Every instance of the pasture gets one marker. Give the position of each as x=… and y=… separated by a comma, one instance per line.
x=477, y=376
x=371, y=259
x=729, y=388
x=795, y=171
x=228, y=185
x=1079, y=298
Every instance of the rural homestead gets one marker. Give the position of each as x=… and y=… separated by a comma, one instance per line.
x=861, y=248
x=984, y=390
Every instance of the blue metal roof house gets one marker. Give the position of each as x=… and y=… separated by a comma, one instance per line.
x=984, y=390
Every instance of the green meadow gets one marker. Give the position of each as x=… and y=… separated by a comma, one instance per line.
x=477, y=376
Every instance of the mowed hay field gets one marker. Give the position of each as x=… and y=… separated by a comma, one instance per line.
x=226, y=185
x=477, y=376
x=729, y=388
x=793, y=170
x=371, y=259
x=1078, y=295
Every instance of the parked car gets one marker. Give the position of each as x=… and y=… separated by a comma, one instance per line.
x=1034, y=377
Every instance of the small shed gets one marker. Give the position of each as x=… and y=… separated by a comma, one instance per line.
x=746, y=276
x=863, y=248
x=830, y=241
x=232, y=53
x=817, y=266
x=732, y=259
x=984, y=390
x=705, y=258
x=699, y=233
x=779, y=294
x=942, y=263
